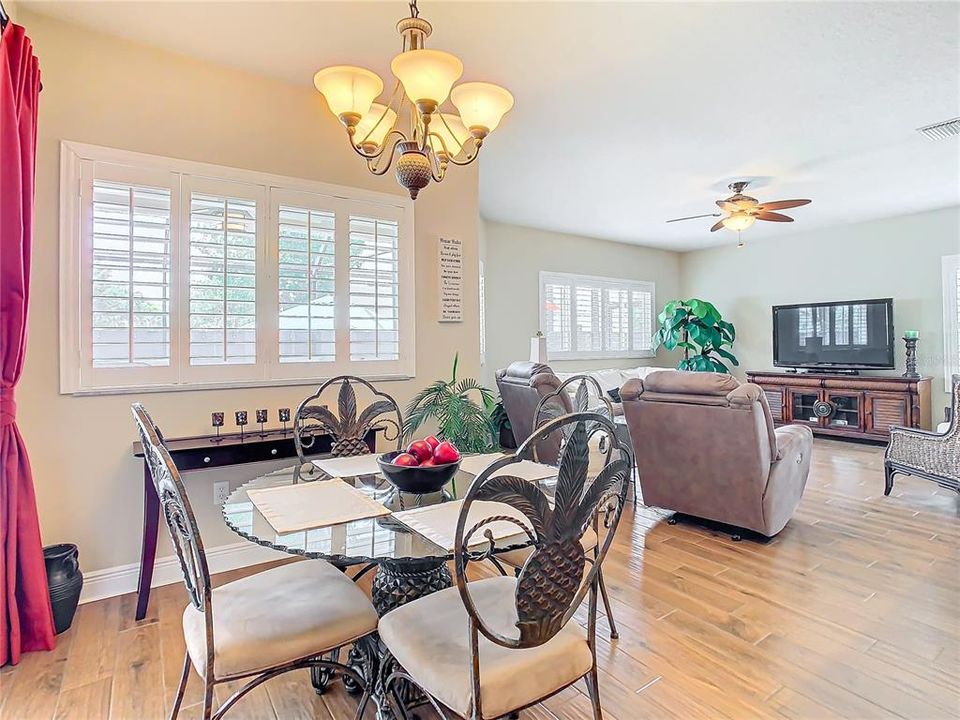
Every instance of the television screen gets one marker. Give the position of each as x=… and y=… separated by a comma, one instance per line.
x=857, y=334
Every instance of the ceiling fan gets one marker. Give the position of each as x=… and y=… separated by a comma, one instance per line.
x=741, y=211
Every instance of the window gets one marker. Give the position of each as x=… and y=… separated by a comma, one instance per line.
x=951, y=318
x=594, y=317
x=179, y=274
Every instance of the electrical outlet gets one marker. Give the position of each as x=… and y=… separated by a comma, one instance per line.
x=221, y=491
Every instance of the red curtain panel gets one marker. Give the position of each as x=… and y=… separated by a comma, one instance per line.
x=26, y=622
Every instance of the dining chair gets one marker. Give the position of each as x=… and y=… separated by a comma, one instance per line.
x=547, y=409
x=347, y=427
x=283, y=619
x=492, y=647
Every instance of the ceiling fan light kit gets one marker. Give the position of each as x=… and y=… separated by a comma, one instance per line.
x=409, y=131
x=739, y=212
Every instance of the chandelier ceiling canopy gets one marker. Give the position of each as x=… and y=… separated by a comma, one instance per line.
x=409, y=130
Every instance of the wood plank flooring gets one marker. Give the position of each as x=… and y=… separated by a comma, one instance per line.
x=853, y=611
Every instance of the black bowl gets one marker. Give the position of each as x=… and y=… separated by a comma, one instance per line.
x=416, y=480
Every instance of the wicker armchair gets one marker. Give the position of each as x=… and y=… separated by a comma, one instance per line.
x=931, y=455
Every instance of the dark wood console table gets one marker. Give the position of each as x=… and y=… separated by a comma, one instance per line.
x=203, y=452
x=848, y=406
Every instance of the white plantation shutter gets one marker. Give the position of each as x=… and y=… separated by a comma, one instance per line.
x=374, y=289
x=641, y=317
x=951, y=318
x=306, y=285
x=555, y=316
x=177, y=274
x=223, y=280
x=131, y=275
x=591, y=317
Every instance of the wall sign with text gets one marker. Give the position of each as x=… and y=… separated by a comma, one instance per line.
x=451, y=280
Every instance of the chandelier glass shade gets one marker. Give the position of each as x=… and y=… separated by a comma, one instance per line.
x=410, y=130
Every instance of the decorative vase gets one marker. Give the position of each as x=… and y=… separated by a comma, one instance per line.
x=64, y=581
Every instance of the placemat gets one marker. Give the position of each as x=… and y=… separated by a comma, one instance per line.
x=355, y=466
x=309, y=505
x=526, y=469
x=438, y=523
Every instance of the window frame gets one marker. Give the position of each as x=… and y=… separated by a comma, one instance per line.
x=77, y=376
x=950, y=267
x=597, y=281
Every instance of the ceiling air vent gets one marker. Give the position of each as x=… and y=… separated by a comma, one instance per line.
x=941, y=130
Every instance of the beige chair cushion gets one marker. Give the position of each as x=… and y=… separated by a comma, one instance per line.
x=430, y=638
x=283, y=614
x=516, y=558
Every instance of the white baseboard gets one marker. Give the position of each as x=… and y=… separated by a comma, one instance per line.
x=122, y=579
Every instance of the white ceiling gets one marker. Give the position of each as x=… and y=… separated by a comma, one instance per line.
x=628, y=114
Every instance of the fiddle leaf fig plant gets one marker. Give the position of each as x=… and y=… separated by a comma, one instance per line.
x=696, y=327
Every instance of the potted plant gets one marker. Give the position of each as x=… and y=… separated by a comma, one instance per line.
x=459, y=408
x=502, y=428
x=697, y=327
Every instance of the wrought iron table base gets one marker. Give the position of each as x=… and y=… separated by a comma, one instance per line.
x=396, y=583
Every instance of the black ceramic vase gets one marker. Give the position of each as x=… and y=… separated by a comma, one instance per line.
x=64, y=581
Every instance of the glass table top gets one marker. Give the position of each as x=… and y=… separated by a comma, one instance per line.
x=356, y=542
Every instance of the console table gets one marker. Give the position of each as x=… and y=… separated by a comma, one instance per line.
x=848, y=406
x=203, y=452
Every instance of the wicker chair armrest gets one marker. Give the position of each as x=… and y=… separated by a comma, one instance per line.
x=901, y=430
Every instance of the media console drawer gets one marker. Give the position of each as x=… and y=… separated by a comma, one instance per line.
x=855, y=406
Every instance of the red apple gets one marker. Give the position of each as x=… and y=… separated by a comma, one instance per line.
x=432, y=441
x=446, y=453
x=429, y=462
x=405, y=460
x=420, y=449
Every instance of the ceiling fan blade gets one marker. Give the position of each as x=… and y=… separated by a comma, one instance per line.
x=716, y=226
x=694, y=217
x=773, y=217
x=782, y=204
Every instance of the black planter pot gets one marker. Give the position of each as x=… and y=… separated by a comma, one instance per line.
x=64, y=581
x=506, y=437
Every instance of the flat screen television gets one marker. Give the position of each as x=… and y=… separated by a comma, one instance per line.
x=850, y=335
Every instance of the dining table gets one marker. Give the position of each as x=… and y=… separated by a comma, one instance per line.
x=407, y=563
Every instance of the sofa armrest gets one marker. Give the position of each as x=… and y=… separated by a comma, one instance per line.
x=631, y=390
x=792, y=440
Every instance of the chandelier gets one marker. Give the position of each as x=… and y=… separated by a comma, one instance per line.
x=410, y=131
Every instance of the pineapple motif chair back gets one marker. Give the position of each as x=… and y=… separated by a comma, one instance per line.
x=551, y=584
x=586, y=396
x=178, y=515
x=347, y=427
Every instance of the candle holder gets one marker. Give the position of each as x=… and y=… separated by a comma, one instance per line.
x=262, y=418
x=216, y=420
x=284, y=415
x=911, y=343
x=240, y=416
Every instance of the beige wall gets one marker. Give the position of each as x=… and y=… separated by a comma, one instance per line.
x=102, y=90
x=514, y=258
x=897, y=257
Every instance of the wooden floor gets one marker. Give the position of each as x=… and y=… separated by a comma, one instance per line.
x=853, y=611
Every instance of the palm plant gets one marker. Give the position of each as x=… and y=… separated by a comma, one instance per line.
x=460, y=418
x=697, y=327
